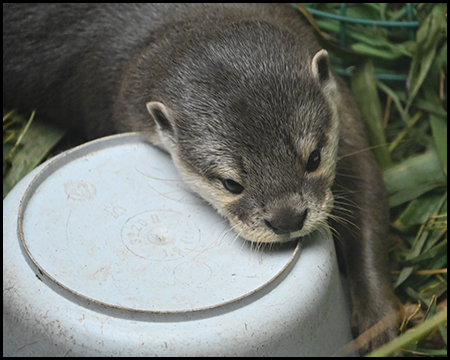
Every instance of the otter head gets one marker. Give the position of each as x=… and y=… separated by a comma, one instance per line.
x=257, y=138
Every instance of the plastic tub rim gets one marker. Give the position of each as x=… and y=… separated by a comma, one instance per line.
x=81, y=150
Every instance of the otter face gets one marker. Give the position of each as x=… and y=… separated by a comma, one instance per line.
x=266, y=161
x=292, y=206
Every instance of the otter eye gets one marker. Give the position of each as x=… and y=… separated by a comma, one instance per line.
x=232, y=186
x=313, y=161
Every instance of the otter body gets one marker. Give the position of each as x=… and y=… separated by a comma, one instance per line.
x=240, y=95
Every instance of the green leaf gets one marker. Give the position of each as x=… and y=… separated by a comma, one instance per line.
x=37, y=142
x=429, y=35
x=364, y=88
x=414, y=335
x=418, y=211
x=413, y=177
x=439, y=131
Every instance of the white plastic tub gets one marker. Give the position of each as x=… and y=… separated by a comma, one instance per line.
x=107, y=253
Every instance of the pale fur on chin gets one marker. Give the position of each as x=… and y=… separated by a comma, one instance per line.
x=261, y=234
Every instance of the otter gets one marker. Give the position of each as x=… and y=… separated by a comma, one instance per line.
x=244, y=100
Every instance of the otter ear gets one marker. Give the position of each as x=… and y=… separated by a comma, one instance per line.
x=162, y=117
x=321, y=67
x=164, y=136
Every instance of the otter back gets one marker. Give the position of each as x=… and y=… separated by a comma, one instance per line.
x=68, y=60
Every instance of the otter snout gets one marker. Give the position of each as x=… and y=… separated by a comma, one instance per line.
x=286, y=221
x=287, y=214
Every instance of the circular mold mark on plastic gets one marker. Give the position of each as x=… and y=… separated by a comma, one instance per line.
x=152, y=235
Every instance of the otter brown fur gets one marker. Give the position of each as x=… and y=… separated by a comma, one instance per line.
x=240, y=95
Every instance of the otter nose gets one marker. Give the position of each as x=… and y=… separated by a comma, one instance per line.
x=286, y=221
